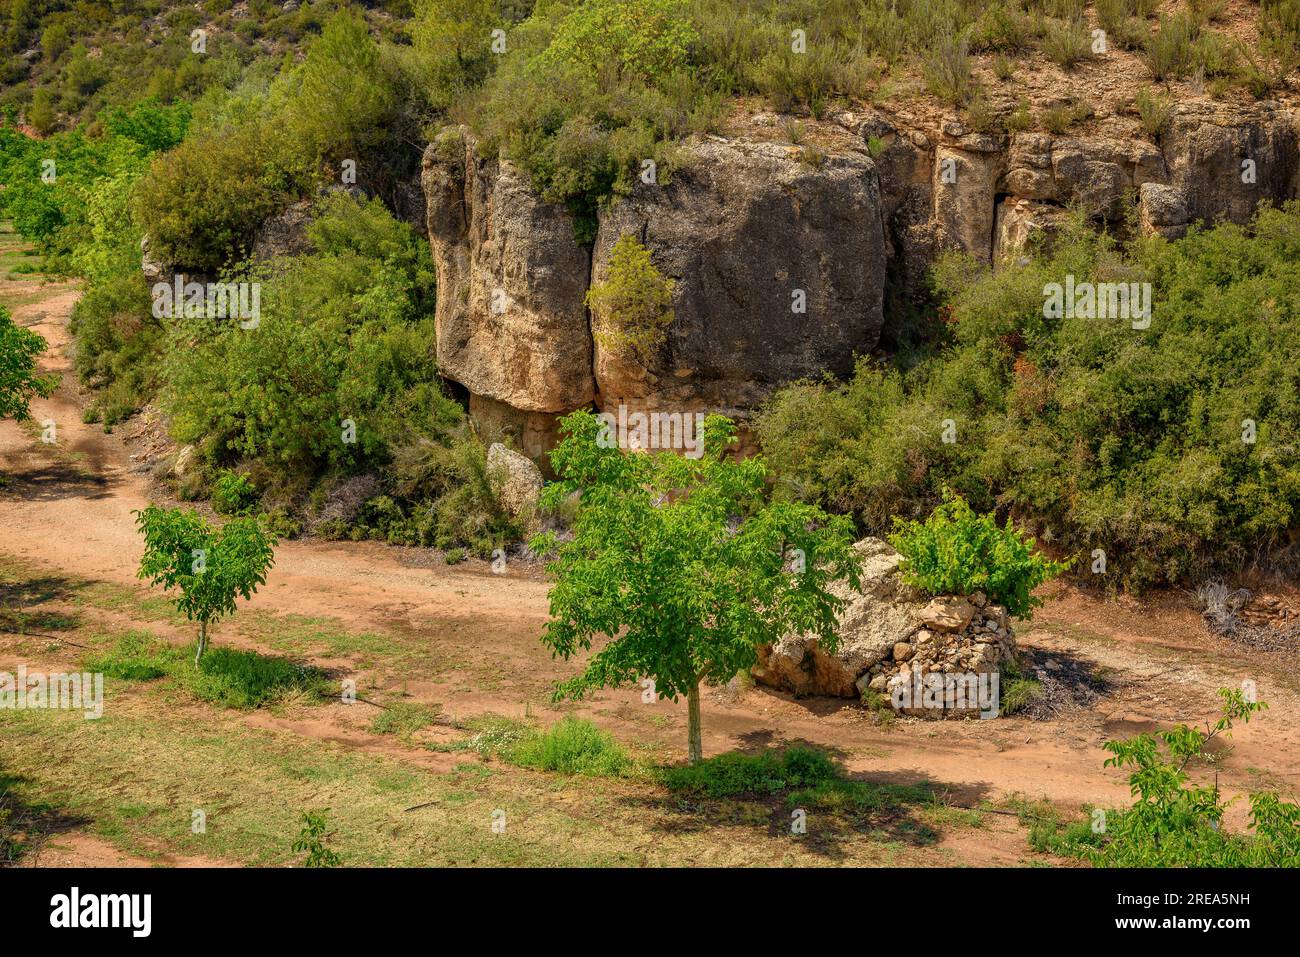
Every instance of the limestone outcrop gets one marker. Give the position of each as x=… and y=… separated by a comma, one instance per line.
x=786, y=258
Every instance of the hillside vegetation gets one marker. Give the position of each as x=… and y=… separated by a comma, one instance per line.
x=1095, y=437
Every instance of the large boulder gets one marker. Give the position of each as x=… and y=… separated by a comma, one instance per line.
x=778, y=260
x=894, y=642
x=516, y=480
x=878, y=616
x=511, y=316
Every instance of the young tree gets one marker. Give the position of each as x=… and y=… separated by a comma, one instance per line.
x=210, y=567
x=682, y=565
x=19, y=383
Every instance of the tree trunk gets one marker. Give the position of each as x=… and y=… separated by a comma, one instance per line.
x=203, y=642
x=694, y=747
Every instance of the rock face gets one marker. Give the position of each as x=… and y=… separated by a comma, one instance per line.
x=778, y=268
x=751, y=229
x=511, y=320
x=516, y=480
x=1225, y=159
x=890, y=634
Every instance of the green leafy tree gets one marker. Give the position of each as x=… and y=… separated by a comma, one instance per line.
x=453, y=39
x=209, y=567
x=19, y=383
x=634, y=304
x=956, y=552
x=681, y=565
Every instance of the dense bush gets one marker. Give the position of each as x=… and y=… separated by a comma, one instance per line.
x=202, y=202
x=1096, y=434
x=957, y=552
x=346, y=333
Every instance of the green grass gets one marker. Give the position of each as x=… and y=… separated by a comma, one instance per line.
x=230, y=677
x=572, y=746
x=403, y=718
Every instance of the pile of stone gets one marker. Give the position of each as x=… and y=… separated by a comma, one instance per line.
x=891, y=638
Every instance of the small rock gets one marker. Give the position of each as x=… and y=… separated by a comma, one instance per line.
x=902, y=651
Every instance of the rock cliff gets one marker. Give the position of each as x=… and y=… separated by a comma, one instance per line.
x=782, y=253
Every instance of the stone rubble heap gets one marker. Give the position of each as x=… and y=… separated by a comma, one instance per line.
x=889, y=633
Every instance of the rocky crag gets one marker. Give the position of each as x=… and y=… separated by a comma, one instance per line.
x=785, y=254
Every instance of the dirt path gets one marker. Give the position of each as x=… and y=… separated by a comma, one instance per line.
x=67, y=507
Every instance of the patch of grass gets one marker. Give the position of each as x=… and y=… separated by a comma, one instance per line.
x=137, y=656
x=571, y=746
x=403, y=718
x=1016, y=689
x=246, y=679
x=226, y=676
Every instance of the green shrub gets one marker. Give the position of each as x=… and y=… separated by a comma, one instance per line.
x=1067, y=42
x=346, y=334
x=634, y=303
x=769, y=772
x=1087, y=429
x=233, y=493
x=1168, y=50
x=1155, y=112
x=572, y=746
x=201, y=202
x=1172, y=822
x=957, y=552
x=948, y=70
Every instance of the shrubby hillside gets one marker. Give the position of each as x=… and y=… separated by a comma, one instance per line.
x=1098, y=437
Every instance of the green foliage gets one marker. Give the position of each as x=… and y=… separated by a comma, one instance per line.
x=948, y=70
x=1155, y=112
x=442, y=497
x=346, y=333
x=681, y=564
x=1176, y=823
x=311, y=840
x=210, y=568
x=119, y=344
x=1168, y=50
x=649, y=40
x=233, y=493
x=345, y=102
x=957, y=552
x=19, y=382
x=767, y=773
x=634, y=303
x=572, y=746
x=202, y=201
x=1087, y=429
